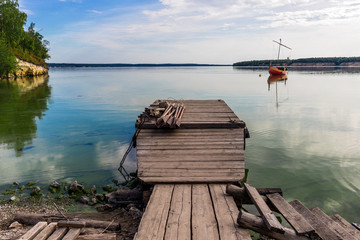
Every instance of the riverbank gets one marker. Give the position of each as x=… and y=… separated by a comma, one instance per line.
x=306, y=62
x=128, y=217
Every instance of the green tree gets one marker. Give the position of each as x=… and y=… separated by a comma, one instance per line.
x=12, y=21
x=8, y=61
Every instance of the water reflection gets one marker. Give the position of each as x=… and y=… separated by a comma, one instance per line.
x=21, y=102
x=274, y=79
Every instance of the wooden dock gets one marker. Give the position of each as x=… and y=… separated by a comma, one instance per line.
x=208, y=148
x=193, y=167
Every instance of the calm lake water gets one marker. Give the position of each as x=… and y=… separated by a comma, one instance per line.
x=305, y=131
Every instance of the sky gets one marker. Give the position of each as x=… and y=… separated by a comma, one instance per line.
x=194, y=31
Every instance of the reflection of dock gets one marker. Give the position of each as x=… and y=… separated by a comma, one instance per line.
x=191, y=167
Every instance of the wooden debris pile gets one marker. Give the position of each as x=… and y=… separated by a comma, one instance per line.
x=168, y=114
x=55, y=227
x=306, y=223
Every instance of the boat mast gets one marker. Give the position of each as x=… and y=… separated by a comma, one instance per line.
x=280, y=44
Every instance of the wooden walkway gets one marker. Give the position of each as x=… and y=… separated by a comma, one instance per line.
x=191, y=211
x=191, y=167
x=209, y=146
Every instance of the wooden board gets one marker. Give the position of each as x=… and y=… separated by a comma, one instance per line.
x=72, y=234
x=203, y=221
x=301, y=226
x=34, y=231
x=178, y=225
x=58, y=234
x=320, y=228
x=153, y=222
x=340, y=231
x=346, y=225
x=46, y=232
x=269, y=218
x=226, y=214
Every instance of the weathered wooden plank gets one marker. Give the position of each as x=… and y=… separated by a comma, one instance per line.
x=228, y=228
x=170, y=142
x=191, y=147
x=153, y=222
x=193, y=137
x=34, y=231
x=199, y=131
x=99, y=236
x=72, y=234
x=188, y=172
x=179, y=173
x=190, y=165
x=178, y=225
x=257, y=224
x=192, y=158
x=341, y=232
x=301, y=226
x=194, y=179
x=346, y=225
x=46, y=232
x=320, y=228
x=192, y=152
x=58, y=234
x=269, y=218
x=204, y=225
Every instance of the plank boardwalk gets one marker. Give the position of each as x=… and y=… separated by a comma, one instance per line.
x=190, y=211
x=207, y=148
x=190, y=167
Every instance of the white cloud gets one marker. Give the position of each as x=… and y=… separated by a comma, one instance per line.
x=187, y=29
x=94, y=11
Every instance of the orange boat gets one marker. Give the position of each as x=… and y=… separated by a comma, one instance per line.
x=278, y=70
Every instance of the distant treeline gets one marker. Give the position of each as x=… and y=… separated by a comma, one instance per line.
x=27, y=45
x=130, y=65
x=333, y=60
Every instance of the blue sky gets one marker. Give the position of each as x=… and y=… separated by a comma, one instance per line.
x=194, y=31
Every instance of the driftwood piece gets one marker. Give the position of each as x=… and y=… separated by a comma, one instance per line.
x=107, y=236
x=32, y=218
x=72, y=224
x=126, y=196
x=257, y=224
x=240, y=193
x=269, y=218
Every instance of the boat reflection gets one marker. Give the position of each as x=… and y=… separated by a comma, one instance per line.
x=22, y=102
x=274, y=79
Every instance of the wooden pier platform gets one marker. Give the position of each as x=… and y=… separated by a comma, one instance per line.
x=207, y=148
x=191, y=167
